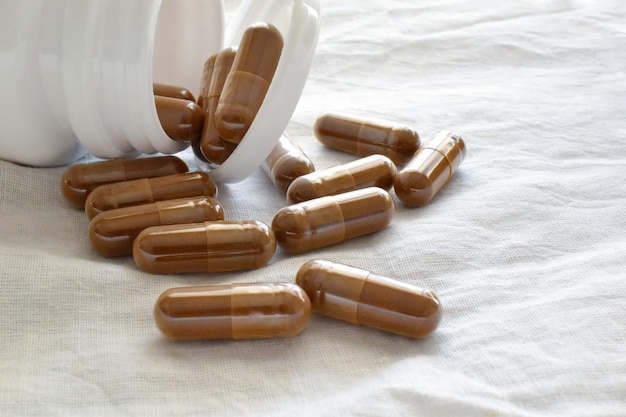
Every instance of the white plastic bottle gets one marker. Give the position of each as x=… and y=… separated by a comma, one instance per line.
x=76, y=75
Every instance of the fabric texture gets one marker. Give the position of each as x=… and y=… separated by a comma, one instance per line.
x=525, y=246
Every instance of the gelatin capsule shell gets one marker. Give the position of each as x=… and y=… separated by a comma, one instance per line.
x=370, y=171
x=361, y=297
x=213, y=246
x=329, y=220
x=237, y=311
x=79, y=180
x=285, y=163
x=148, y=190
x=362, y=136
x=182, y=120
x=430, y=169
x=113, y=232
x=247, y=84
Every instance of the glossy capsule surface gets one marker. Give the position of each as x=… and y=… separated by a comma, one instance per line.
x=172, y=91
x=205, y=82
x=216, y=246
x=245, y=88
x=370, y=171
x=285, y=163
x=237, y=311
x=112, y=232
x=182, y=120
x=79, y=180
x=364, y=137
x=430, y=169
x=364, y=298
x=213, y=148
x=148, y=190
x=329, y=220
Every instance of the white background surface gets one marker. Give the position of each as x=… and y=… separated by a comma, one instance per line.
x=526, y=246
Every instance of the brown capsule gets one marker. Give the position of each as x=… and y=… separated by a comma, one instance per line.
x=182, y=120
x=364, y=137
x=172, y=91
x=148, y=190
x=364, y=298
x=214, y=149
x=112, y=232
x=371, y=171
x=237, y=311
x=254, y=67
x=430, y=169
x=205, y=82
x=79, y=180
x=328, y=220
x=285, y=163
x=207, y=74
x=217, y=246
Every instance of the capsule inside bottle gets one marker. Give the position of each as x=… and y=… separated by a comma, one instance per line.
x=214, y=149
x=245, y=88
x=430, y=169
x=364, y=298
x=172, y=91
x=213, y=246
x=205, y=82
x=370, y=171
x=285, y=163
x=182, y=120
x=148, y=190
x=365, y=137
x=113, y=232
x=329, y=220
x=79, y=180
x=237, y=311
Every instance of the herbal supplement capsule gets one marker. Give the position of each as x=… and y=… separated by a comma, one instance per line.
x=365, y=137
x=172, y=91
x=213, y=148
x=371, y=171
x=328, y=220
x=207, y=74
x=182, y=120
x=237, y=311
x=149, y=190
x=112, y=232
x=217, y=246
x=259, y=52
x=81, y=179
x=285, y=163
x=205, y=82
x=364, y=298
x=431, y=167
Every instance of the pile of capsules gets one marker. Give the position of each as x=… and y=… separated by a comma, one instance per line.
x=171, y=222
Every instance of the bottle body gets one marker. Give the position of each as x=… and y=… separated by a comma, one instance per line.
x=76, y=75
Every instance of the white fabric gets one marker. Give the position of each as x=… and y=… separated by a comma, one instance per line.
x=526, y=246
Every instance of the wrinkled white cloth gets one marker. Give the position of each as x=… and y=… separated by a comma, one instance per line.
x=525, y=246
